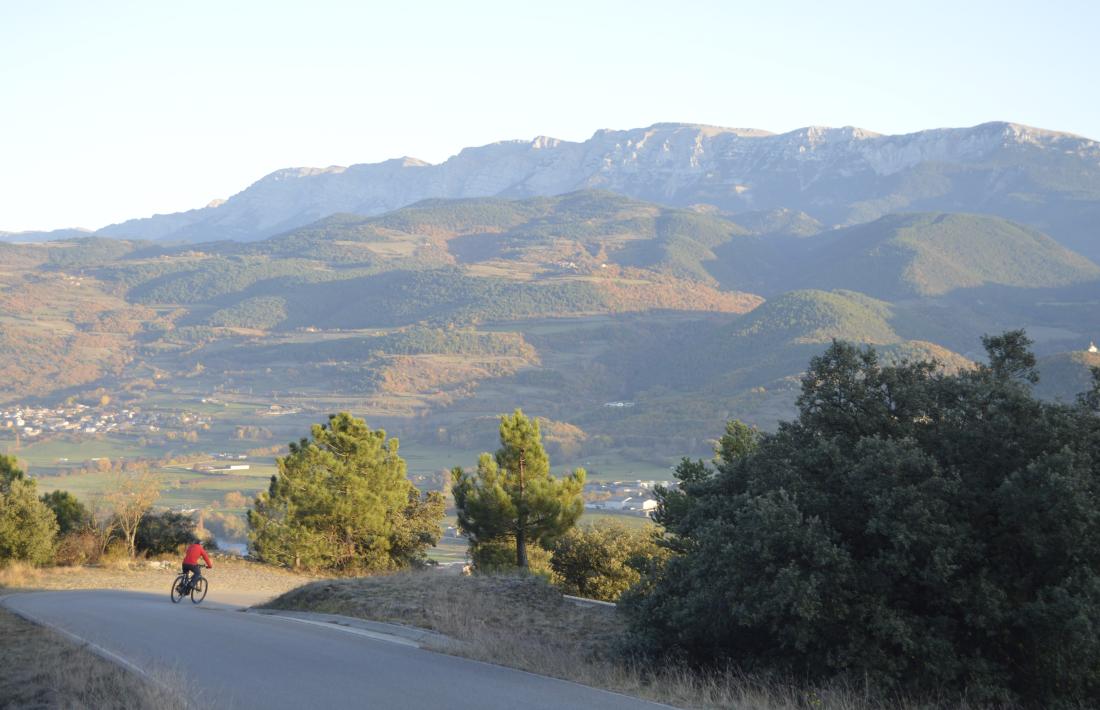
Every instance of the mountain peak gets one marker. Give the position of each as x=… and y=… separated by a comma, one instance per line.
x=836, y=176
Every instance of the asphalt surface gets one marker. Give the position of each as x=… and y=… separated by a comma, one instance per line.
x=240, y=660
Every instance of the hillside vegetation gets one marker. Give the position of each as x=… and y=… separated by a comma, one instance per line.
x=447, y=310
x=902, y=256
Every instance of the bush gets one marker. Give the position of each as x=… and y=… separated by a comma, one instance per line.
x=499, y=556
x=601, y=561
x=70, y=513
x=923, y=531
x=163, y=533
x=78, y=548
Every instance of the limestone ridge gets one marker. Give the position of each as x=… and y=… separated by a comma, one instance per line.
x=839, y=176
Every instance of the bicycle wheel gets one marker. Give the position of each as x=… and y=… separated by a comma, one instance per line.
x=198, y=591
x=177, y=589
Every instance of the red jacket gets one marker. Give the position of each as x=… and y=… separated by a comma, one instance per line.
x=194, y=552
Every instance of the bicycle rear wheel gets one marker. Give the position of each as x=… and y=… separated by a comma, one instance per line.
x=198, y=591
x=177, y=589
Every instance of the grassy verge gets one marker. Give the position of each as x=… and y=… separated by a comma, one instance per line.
x=41, y=669
x=524, y=623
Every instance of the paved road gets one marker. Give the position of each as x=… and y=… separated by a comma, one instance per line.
x=250, y=660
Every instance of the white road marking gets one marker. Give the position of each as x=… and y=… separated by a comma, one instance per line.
x=349, y=630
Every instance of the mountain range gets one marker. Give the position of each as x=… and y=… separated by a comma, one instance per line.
x=636, y=289
x=835, y=176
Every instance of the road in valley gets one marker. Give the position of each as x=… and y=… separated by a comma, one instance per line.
x=244, y=660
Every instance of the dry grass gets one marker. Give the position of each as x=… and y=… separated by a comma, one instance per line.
x=19, y=575
x=524, y=623
x=231, y=574
x=41, y=669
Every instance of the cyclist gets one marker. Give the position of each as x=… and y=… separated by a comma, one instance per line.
x=191, y=560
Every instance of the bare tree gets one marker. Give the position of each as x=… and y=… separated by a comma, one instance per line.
x=130, y=495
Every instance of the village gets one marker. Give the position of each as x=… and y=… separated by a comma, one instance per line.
x=33, y=422
x=629, y=497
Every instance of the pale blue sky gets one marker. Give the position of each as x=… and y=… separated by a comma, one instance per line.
x=112, y=110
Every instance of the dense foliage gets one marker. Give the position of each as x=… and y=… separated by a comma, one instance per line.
x=341, y=502
x=602, y=561
x=915, y=529
x=513, y=496
x=71, y=514
x=27, y=526
x=165, y=532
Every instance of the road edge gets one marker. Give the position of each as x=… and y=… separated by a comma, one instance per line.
x=81, y=642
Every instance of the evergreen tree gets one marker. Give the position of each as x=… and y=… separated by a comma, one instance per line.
x=9, y=472
x=602, y=561
x=919, y=530
x=512, y=494
x=27, y=527
x=70, y=513
x=165, y=532
x=341, y=502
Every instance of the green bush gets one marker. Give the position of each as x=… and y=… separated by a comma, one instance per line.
x=499, y=556
x=164, y=533
x=601, y=561
x=924, y=532
x=70, y=513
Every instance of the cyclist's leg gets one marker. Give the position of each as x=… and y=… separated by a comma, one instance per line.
x=192, y=572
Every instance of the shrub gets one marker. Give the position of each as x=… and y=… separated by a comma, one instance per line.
x=499, y=556
x=601, y=561
x=70, y=513
x=78, y=548
x=163, y=533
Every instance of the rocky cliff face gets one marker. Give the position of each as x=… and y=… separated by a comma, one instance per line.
x=836, y=175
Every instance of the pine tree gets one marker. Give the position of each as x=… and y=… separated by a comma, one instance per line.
x=341, y=501
x=512, y=495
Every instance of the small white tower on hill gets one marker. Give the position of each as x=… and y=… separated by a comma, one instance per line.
x=1093, y=348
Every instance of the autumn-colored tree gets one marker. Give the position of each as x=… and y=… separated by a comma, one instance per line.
x=130, y=495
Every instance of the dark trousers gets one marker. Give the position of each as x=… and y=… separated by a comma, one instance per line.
x=194, y=570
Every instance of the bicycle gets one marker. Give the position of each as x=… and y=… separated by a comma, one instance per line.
x=181, y=587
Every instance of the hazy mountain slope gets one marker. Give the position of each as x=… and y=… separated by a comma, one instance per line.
x=1062, y=376
x=680, y=375
x=835, y=175
x=53, y=235
x=902, y=256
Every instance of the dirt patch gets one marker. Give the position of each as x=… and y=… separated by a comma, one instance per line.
x=41, y=669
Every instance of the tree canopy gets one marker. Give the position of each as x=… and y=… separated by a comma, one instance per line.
x=912, y=528
x=70, y=513
x=512, y=494
x=341, y=502
x=602, y=561
x=27, y=527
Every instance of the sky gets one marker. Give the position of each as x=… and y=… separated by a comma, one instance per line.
x=114, y=110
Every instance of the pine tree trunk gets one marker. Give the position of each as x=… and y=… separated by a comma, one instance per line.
x=521, y=549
